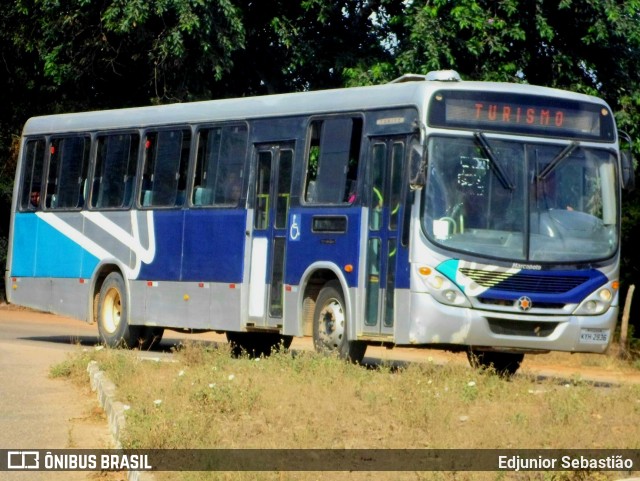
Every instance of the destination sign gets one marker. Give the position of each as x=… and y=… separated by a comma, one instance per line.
x=524, y=114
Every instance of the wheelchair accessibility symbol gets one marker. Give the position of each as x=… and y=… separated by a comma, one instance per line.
x=294, y=228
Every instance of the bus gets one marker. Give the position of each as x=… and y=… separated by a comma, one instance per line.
x=427, y=212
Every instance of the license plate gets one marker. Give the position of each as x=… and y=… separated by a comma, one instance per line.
x=594, y=336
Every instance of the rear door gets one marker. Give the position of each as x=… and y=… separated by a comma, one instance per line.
x=271, y=198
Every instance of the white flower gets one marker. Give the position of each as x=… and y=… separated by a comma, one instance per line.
x=126, y=407
x=212, y=385
x=231, y=377
x=181, y=373
x=471, y=383
x=157, y=402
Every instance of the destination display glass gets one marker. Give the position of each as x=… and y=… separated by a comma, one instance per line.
x=522, y=114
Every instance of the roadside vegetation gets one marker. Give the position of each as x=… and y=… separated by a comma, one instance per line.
x=205, y=398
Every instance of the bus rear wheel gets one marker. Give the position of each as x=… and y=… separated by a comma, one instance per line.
x=330, y=325
x=113, y=325
x=503, y=363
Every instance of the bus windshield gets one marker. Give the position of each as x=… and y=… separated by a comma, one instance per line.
x=523, y=202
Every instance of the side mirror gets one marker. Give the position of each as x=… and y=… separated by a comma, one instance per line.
x=627, y=171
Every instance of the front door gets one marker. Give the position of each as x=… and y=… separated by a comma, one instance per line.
x=271, y=194
x=386, y=207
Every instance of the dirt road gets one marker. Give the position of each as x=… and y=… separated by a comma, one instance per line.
x=37, y=412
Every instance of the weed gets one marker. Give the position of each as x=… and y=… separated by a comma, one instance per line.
x=208, y=399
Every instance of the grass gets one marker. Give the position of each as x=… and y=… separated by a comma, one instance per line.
x=207, y=399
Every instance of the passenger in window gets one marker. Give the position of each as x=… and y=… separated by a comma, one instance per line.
x=35, y=198
x=234, y=191
x=351, y=191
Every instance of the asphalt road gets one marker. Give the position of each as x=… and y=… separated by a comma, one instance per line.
x=38, y=412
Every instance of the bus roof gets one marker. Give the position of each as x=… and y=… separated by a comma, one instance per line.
x=411, y=92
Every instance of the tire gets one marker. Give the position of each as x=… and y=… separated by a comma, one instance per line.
x=113, y=325
x=256, y=344
x=504, y=364
x=330, y=325
x=151, y=336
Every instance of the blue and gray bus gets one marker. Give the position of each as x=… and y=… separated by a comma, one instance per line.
x=430, y=211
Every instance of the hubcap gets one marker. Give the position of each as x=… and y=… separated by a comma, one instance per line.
x=332, y=323
x=111, y=311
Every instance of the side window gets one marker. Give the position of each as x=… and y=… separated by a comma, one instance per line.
x=115, y=171
x=166, y=157
x=263, y=186
x=32, y=164
x=332, y=166
x=395, y=183
x=66, y=182
x=219, y=168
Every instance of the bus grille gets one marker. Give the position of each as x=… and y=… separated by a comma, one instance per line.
x=535, y=284
x=516, y=328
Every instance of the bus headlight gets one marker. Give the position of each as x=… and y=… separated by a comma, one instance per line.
x=605, y=295
x=598, y=301
x=436, y=282
x=441, y=288
x=450, y=295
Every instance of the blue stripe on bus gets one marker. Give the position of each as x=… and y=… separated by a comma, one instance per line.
x=212, y=249
x=40, y=250
x=541, y=286
x=339, y=248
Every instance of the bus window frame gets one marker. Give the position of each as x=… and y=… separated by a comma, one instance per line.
x=362, y=157
x=44, y=193
x=93, y=164
x=30, y=207
x=195, y=146
x=155, y=129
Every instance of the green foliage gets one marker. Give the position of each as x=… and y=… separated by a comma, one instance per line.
x=129, y=48
x=69, y=55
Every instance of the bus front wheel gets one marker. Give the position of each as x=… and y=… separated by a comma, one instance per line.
x=330, y=325
x=503, y=363
x=113, y=325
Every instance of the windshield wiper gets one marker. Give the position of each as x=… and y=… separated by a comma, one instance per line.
x=500, y=172
x=551, y=166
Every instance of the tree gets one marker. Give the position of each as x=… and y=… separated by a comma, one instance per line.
x=125, y=52
x=66, y=55
x=305, y=45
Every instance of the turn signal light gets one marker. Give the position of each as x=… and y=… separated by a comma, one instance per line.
x=425, y=271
